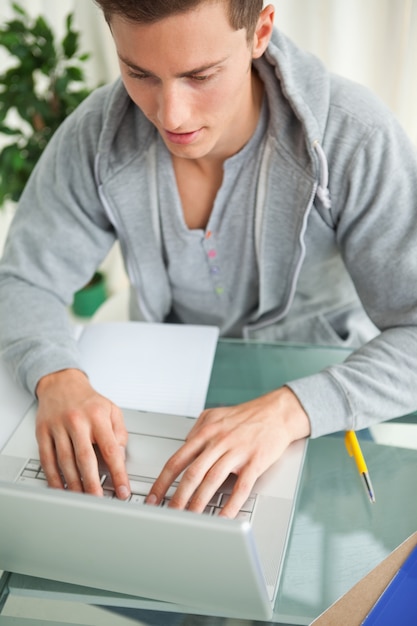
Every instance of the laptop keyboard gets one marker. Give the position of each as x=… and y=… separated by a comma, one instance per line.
x=33, y=475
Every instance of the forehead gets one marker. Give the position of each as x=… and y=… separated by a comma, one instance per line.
x=152, y=14
x=195, y=37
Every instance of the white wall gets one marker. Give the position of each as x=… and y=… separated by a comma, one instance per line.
x=371, y=41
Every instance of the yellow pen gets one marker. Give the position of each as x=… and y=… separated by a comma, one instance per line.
x=354, y=449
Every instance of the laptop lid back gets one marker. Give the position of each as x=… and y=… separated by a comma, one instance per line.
x=84, y=540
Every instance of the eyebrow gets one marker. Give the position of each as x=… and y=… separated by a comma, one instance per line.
x=197, y=70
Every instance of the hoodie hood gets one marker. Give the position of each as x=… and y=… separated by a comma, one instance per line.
x=301, y=95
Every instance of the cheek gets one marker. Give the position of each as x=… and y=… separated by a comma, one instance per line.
x=142, y=100
x=215, y=101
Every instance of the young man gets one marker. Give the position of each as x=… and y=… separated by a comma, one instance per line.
x=250, y=189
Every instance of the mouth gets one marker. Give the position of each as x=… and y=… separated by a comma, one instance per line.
x=183, y=138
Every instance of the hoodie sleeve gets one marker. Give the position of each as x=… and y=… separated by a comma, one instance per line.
x=57, y=239
x=374, y=195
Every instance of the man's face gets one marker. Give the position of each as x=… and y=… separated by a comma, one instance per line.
x=190, y=74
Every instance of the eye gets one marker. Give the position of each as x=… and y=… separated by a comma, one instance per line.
x=137, y=75
x=201, y=78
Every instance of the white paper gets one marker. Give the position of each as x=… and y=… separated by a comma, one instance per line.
x=15, y=401
x=163, y=368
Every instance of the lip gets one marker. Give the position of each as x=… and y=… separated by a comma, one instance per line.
x=183, y=139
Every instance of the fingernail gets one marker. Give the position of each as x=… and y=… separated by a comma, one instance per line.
x=151, y=499
x=123, y=492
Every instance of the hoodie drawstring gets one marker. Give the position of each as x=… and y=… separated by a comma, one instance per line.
x=322, y=188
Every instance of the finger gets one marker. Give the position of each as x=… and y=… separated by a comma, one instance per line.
x=202, y=478
x=113, y=454
x=210, y=485
x=118, y=425
x=220, y=468
x=85, y=461
x=175, y=465
x=58, y=461
x=240, y=493
x=49, y=462
x=67, y=463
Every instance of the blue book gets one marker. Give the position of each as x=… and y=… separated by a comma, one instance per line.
x=398, y=603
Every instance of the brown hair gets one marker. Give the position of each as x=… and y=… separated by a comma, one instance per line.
x=242, y=13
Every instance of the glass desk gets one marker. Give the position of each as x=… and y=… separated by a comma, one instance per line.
x=337, y=534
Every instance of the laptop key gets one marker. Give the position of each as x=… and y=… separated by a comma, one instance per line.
x=31, y=482
x=215, y=500
x=140, y=487
x=243, y=515
x=29, y=473
x=137, y=499
x=208, y=510
x=33, y=464
x=246, y=506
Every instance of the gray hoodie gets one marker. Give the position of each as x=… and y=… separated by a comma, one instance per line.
x=336, y=226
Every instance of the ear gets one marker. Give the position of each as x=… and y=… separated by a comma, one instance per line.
x=263, y=31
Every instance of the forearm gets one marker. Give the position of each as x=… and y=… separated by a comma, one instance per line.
x=375, y=383
x=36, y=336
x=58, y=237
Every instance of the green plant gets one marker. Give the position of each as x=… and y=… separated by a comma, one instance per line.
x=36, y=94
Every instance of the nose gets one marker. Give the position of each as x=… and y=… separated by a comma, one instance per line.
x=173, y=107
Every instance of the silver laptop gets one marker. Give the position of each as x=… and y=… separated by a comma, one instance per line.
x=187, y=562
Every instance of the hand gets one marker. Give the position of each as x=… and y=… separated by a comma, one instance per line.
x=244, y=440
x=71, y=418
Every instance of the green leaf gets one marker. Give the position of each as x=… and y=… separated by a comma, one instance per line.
x=70, y=44
x=18, y=9
x=61, y=85
x=70, y=41
x=68, y=21
x=10, y=40
x=6, y=130
x=75, y=73
x=15, y=27
x=42, y=30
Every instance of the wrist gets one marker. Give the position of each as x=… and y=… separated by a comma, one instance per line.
x=296, y=419
x=59, y=377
